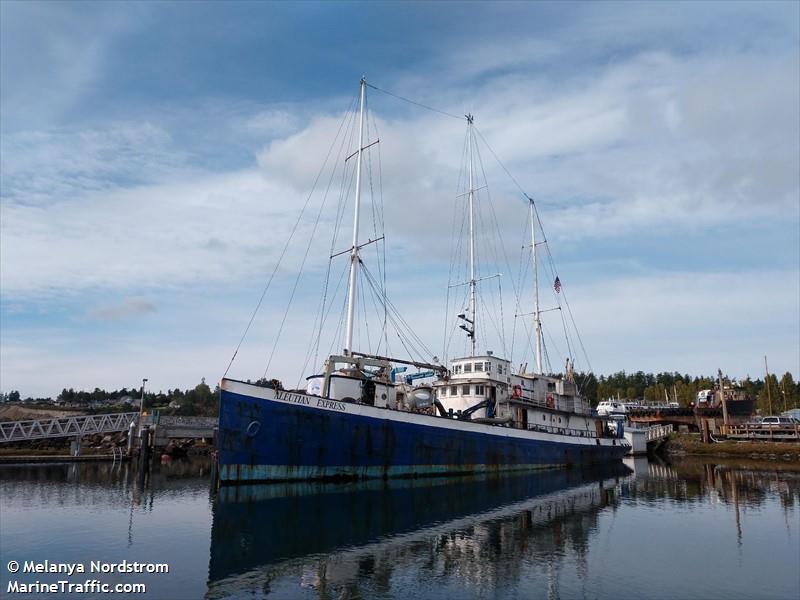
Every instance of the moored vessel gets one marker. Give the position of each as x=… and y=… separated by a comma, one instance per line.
x=354, y=419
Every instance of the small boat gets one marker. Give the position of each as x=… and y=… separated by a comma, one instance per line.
x=738, y=402
x=612, y=408
x=354, y=420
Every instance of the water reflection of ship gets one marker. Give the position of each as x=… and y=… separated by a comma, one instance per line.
x=330, y=537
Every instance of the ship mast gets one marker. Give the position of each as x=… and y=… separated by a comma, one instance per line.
x=472, y=281
x=351, y=296
x=536, y=311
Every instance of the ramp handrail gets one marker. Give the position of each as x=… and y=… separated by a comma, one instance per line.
x=37, y=429
x=656, y=432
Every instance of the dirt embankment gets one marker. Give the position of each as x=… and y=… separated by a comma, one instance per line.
x=16, y=412
x=688, y=444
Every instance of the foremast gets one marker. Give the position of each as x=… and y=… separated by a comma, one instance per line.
x=351, y=294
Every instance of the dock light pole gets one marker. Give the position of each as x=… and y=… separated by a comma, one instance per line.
x=141, y=402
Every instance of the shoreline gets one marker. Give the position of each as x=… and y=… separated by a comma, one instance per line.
x=682, y=444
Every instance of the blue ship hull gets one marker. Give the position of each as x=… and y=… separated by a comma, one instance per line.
x=297, y=437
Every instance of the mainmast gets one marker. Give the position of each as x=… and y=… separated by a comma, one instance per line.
x=536, y=311
x=472, y=281
x=351, y=296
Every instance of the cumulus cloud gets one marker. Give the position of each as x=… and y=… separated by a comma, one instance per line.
x=654, y=136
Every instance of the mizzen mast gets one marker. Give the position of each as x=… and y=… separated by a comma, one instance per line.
x=351, y=295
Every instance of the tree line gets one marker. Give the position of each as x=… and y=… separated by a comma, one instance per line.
x=782, y=394
x=198, y=401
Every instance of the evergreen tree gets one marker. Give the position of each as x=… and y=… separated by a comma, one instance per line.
x=769, y=399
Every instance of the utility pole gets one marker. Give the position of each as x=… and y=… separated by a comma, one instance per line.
x=783, y=392
x=766, y=383
x=723, y=400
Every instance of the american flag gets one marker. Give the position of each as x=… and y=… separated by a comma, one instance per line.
x=557, y=285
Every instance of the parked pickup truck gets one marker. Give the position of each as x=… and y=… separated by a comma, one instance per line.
x=777, y=422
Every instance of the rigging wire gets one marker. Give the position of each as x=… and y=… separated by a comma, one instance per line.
x=382, y=218
x=497, y=238
x=455, y=251
x=364, y=311
x=328, y=314
x=400, y=323
x=343, y=189
x=296, y=283
x=378, y=287
x=426, y=107
x=549, y=253
x=285, y=247
x=343, y=194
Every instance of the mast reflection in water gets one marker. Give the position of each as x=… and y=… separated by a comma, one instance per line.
x=472, y=535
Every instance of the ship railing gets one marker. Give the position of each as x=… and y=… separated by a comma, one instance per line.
x=584, y=433
x=539, y=403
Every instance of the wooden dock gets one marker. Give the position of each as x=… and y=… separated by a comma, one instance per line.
x=770, y=433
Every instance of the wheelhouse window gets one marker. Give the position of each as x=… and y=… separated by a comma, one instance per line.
x=487, y=367
x=454, y=390
x=467, y=367
x=499, y=369
x=478, y=366
x=456, y=369
x=465, y=390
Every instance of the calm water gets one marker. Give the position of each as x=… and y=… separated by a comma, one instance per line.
x=687, y=530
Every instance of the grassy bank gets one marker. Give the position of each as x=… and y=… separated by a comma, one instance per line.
x=689, y=443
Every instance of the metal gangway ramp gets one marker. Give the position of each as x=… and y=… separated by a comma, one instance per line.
x=39, y=429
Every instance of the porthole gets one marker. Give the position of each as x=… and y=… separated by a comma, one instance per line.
x=253, y=428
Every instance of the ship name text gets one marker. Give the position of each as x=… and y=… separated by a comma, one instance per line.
x=305, y=400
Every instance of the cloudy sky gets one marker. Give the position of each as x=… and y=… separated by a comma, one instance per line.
x=156, y=156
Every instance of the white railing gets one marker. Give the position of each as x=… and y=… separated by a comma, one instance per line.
x=657, y=432
x=15, y=431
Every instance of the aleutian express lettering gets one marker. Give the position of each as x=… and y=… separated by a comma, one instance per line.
x=321, y=402
x=296, y=398
x=332, y=404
